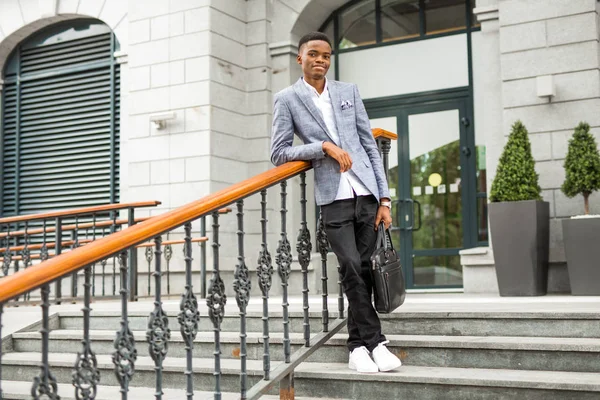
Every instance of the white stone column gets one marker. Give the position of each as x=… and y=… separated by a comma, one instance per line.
x=488, y=95
x=479, y=275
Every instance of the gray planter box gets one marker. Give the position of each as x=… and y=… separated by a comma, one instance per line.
x=520, y=238
x=583, y=255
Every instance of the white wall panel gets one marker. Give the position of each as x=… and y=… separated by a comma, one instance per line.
x=414, y=67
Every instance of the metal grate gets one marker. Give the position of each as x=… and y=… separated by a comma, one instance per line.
x=60, y=146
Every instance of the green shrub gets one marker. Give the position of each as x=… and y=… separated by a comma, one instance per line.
x=516, y=179
x=582, y=165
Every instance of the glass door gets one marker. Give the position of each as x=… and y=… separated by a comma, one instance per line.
x=432, y=178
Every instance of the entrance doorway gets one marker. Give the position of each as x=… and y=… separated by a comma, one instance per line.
x=436, y=186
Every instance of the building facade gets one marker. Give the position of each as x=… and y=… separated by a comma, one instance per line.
x=124, y=100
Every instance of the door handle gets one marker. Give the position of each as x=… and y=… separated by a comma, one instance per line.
x=412, y=221
x=396, y=214
x=418, y=215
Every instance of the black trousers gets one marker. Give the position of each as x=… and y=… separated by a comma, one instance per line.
x=350, y=229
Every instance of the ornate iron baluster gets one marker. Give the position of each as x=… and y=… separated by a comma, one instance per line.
x=94, y=265
x=7, y=260
x=284, y=267
x=113, y=229
x=103, y=264
x=216, y=300
x=304, y=249
x=323, y=248
x=203, y=258
x=133, y=261
x=86, y=375
x=26, y=253
x=57, y=251
x=149, y=258
x=75, y=239
x=44, y=255
x=168, y=256
x=125, y=353
x=26, y=256
x=15, y=270
x=265, y=273
x=44, y=385
x=242, y=286
x=341, y=306
x=189, y=317
x=158, y=333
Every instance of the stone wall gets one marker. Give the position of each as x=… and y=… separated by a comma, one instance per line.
x=524, y=39
x=558, y=38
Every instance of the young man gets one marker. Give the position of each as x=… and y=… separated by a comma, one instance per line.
x=350, y=185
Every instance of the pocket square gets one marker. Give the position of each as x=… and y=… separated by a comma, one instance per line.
x=346, y=104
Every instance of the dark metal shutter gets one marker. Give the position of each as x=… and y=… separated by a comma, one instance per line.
x=60, y=141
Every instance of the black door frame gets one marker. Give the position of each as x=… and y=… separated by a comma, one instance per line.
x=401, y=107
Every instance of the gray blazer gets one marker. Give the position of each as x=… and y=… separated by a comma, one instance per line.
x=294, y=111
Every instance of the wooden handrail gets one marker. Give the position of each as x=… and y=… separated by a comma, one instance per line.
x=32, y=257
x=67, y=263
x=49, y=245
x=98, y=224
x=382, y=133
x=72, y=227
x=78, y=211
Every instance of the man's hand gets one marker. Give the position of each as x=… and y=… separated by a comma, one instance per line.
x=342, y=157
x=383, y=214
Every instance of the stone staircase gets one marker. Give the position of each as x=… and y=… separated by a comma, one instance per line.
x=446, y=355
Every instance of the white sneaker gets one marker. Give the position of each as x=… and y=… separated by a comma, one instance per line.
x=384, y=359
x=361, y=361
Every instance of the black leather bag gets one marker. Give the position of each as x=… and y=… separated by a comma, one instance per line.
x=389, y=287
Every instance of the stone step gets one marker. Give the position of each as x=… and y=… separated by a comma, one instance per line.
x=336, y=380
x=19, y=390
x=529, y=324
x=519, y=353
x=139, y=321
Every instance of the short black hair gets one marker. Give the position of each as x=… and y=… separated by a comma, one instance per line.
x=313, y=36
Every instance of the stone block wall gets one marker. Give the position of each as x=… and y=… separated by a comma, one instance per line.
x=536, y=38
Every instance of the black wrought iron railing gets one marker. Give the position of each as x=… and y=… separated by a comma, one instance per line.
x=31, y=239
x=86, y=378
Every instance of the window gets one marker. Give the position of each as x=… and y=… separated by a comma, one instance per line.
x=358, y=25
x=442, y=16
x=400, y=19
x=59, y=138
x=370, y=22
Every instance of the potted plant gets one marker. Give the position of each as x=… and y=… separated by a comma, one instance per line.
x=580, y=233
x=519, y=220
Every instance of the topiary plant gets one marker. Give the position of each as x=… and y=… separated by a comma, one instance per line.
x=582, y=165
x=516, y=179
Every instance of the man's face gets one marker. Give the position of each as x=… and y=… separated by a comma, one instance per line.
x=315, y=57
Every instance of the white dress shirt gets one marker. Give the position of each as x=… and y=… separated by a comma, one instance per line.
x=348, y=181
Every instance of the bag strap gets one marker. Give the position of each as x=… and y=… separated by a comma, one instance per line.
x=381, y=239
x=384, y=237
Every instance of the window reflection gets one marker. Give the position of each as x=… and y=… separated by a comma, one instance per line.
x=440, y=221
x=437, y=271
x=357, y=25
x=482, y=207
x=399, y=19
x=434, y=146
x=442, y=16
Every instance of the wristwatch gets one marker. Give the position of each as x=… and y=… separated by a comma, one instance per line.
x=388, y=204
